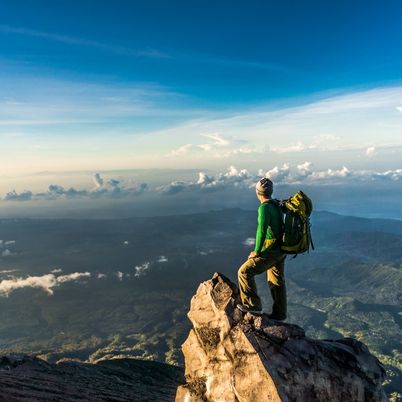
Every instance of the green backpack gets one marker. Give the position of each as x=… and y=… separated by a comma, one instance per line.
x=297, y=235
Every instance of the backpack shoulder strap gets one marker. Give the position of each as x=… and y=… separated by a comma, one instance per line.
x=274, y=201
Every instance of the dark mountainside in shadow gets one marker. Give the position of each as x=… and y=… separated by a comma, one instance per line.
x=25, y=378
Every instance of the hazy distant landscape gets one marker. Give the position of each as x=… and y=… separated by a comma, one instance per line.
x=93, y=289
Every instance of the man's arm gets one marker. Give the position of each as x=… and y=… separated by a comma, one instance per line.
x=263, y=222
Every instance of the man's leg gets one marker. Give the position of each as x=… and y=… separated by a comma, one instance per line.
x=247, y=286
x=277, y=286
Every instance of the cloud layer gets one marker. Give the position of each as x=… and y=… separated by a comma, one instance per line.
x=303, y=173
x=231, y=178
x=111, y=188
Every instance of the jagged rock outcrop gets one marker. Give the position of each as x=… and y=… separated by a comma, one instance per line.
x=230, y=356
x=26, y=378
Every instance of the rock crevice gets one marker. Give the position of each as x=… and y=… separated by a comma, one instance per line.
x=236, y=357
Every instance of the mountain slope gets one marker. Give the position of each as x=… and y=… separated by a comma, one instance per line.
x=349, y=286
x=24, y=378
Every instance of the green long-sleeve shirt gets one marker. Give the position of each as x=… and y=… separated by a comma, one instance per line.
x=270, y=228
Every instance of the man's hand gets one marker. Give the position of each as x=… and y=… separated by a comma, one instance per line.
x=252, y=254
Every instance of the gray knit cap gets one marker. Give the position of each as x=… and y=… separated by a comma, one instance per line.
x=265, y=187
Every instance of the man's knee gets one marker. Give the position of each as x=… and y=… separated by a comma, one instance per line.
x=276, y=283
x=276, y=276
x=276, y=279
x=245, y=270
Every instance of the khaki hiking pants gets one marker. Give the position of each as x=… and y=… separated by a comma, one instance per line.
x=274, y=264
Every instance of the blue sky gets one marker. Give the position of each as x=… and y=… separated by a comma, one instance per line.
x=219, y=52
x=101, y=85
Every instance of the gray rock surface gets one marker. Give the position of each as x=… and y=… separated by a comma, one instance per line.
x=236, y=357
x=25, y=378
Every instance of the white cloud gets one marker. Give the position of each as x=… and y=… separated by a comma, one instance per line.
x=234, y=173
x=231, y=178
x=393, y=175
x=162, y=258
x=25, y=195
x=56, y=271
x=330, y=173
x=72, y=277
x=278, y=174
x=298, y=147
x=217, y=139
x=55, y=191
x=370, y=152
x=304, y=174
x=304, y=169
x=204, y=179
x=120, y=275
x=250, y=241
x=174, y=187
x=7, y=253
x=45, y=282
x=182, y=150
x=237, y=152
x=98, y=180
x=114, y=188
x=320, y=142
x=101, y=276
x=141, y=269
x=205, y=147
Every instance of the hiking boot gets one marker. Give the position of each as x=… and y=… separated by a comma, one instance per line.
x=250, y=310
x=276, y=317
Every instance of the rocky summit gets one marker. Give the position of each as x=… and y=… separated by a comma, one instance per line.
x=232, y=356
x=25, y=378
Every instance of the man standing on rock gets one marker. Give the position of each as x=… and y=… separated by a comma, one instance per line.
x=266, y=257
